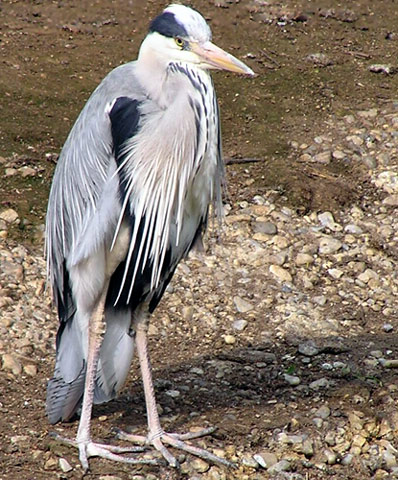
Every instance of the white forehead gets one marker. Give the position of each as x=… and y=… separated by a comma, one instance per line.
x=192, y=21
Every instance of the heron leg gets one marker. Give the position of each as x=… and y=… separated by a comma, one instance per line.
x=156, y=435
x=88, y=448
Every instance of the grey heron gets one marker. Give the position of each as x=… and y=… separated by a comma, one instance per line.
x=130, y=197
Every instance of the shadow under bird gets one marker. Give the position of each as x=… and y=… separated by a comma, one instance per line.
x=129, y=199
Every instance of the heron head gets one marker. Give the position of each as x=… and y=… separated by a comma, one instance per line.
x=181, y=34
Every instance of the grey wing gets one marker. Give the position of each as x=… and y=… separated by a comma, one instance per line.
x=84, y=203
x=83, y=211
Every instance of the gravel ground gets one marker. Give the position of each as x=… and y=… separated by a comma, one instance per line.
x=292, y=319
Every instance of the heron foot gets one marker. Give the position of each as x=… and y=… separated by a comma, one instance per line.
x=178, y=441
x=88, y=449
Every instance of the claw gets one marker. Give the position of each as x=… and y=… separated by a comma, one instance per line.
x=88, y=449
x=177, y=441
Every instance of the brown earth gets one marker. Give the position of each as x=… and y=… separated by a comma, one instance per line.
x=52, y=55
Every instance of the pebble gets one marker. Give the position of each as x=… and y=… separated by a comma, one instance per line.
x=304, y=259
x=250, y=461
x=9, y=215
x=239, y=325
x=326, y=219
x=279, y=467
x=268, y=228
x=320, y=383
x=173, y=393
x=266, y=459
x=309, y=349
x=329, y=245
x=323, y=412
x=229, y=339
x=353, y=229
x=242, y=306
x=280, y=273
x=64, y=465
x=11, y=363
x=199, y=465
x=292, y=379
x=323, y=158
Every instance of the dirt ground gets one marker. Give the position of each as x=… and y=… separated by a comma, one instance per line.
x=52, y=55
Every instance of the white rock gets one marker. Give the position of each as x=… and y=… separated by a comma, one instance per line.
x=320, y=383
x=292, y=379
x=173, y=393
x=280, y=273
x=64, y=465
x=9, y=215
x=242, y=305
x=229, y=339
x=304, y=259
x=11, y=363
x=329, y=245
x=239, y=325
x=335, y=273
x=354, y=229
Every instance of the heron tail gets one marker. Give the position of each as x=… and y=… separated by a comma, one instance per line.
x=66, y=388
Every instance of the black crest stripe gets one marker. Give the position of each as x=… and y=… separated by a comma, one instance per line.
x=167, y=25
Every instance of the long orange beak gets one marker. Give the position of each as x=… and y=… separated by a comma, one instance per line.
x=215, y=57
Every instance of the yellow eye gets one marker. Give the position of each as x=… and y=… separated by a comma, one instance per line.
x=179, y=42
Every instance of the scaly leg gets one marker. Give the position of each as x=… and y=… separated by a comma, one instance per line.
x=156, y=436
x=88, y=448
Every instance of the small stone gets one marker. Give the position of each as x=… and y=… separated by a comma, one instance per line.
x=280, y=273
x=389, y=459
x=320, y=300
x=250, y=462
x=50, y=464
x=304, y=259
x=326, y=219
x=319, y=59
x=11, y=362
x=331, y=457
x=387, y=327
x=265, y=227
x=64, y=465
x=353, y=229
x=229, y=339
x=266, y=459
x=30, y=370
x=187, y=313
x=391, y=200
x=335, y=273
x=199, y=465
x=320, y=383
x=9, y=215
x=323, y=412
x=368, y=275
x=309, y=349
x=216, y=474
x=173, y=393
x=292, y=379
x=347, y=459
x=323, y=158
x=27, y=171
x=242, y=305
x=197, y=370
x=318, y=422
x=279, y=467
x=338, y=155
x=385, y=68
x=328, y=245
x=239, y=325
